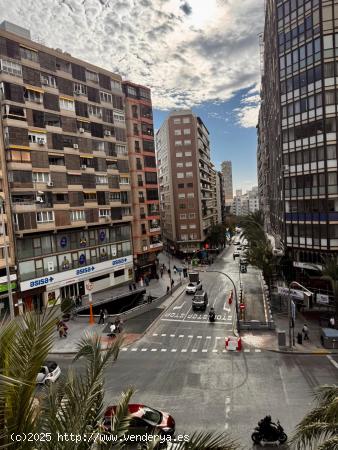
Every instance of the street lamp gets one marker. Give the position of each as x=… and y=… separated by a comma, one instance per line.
x=8, y=275
x=236, y=298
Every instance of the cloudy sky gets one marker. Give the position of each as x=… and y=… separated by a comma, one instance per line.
x=200, y=54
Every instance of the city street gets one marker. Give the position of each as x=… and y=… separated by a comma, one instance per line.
x=180, y=366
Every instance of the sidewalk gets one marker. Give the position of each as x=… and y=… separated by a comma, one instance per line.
x=268, y=340
x=133, y=328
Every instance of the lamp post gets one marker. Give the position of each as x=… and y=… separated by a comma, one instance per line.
x=8, y=275
x=236, y=298
x=290, y=312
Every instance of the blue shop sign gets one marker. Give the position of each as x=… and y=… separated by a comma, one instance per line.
x=119, y=261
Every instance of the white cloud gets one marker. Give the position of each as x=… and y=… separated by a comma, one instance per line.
x=247, y=113
x=187, y=51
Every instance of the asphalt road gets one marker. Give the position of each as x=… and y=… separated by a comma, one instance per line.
x=180, y=366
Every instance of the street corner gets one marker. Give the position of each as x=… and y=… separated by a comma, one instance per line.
x=264, y=341
x=128, y=339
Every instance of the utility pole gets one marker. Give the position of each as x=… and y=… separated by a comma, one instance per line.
x=8, y=275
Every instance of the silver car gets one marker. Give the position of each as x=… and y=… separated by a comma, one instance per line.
x=193, y=287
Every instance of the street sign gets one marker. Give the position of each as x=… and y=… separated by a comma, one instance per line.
x=295, y=293
x=323, y=299
x=241, y=306
x=89, y=286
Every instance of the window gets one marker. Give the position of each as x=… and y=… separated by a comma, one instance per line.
x=182, y=206
x=80, y=89
x=115, y=85
x=187, y=153
x=104, y=212
x=89, y=196
x=189, y=175
x=183, y=227
x=178, y=143
x=101, y=179
x=183, y=216
x=331, y=152
x=190, y=185
x=94, y=110
x=179, y=164
x=186, y=131
x=119, y=117
x=92, y=76
x=121, y=149
x=186, y=119
x=188, y=164
x=180, y=175
x=77, y=215
x=131, y=91
x=18, y=156
x=181, y=195
x=41, y=177
x=68, y=105
x=177, y=132
x=187, y=141
x=190, y=195
x=11, y=67
x=45, y=216
x=179, y=154
x=184, y=237
x=193, y=236
x=106, y=97
x=192, y=226
x=48, y=80
x=180, y=185
x=33, y=96
x=27, y=53
x=177, y=121
x=124, y=180
x=37, y=138
x=192, y=215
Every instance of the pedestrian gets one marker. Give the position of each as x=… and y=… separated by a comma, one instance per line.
x=77, y=301
x=62, y=329
x=141, y=282
x=134, y=286
x=117, y=325
x=80, y=300
x=305, y=331
x=172, y=283
x=105, y=314
x=130, y=287
x=175, y=270
x=169, y=272
x=168, y=289
x=332, y=322
x=161, y=272
x=101, y=318
x=112, y=330
x=146, y=280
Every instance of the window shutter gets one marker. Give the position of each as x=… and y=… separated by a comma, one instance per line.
x=92, y=215
x=93, y=94
x=69, y=124
x=13, y=49
x=47, y=61
x=57, y=141
x=18, y=136
x=76, y=198
x=62, y=218
x=123, y=165
x=100, y=164
x=104, y=81
x=59, y=179
x=81, y=109
x=96, y=129
x=51, y=101
x=78, y=72
x=65, y=86
x=14, y=92
x=72, y=162
x=31, y=76
x=39, y=159
x=38, y=119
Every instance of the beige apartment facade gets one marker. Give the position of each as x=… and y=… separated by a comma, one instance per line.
x=187, y=182
x=65, y=174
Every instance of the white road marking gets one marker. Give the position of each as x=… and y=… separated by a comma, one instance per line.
x=124, y=349
x=153, y=350
x=181, y=336
x=215, y=350
x=218, y=337
x=190, y=336
x=183, y=350
x=163, y=349
x=199, y=337
x=180, y=306
x=208, y=337
x=155, y=334
x=172, y=335
x=332, y=361
x=144, y=349
x=194, y=350
x=222, y=322
x=204, y=350
x=246, y=350
x=258, y=350
x=163, y=334
x=226, y=426
x=224, y=351
x=173, y=350
x=134, y=349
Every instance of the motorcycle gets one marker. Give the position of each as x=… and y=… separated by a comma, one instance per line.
x=275, y=433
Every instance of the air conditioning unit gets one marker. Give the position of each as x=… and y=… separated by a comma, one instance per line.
x=107, y=133
x=77, y=92
x=50, y=184
x=83, y=166
x=75, y=145
x=41, y=141
x=39, y=200
x=81, y=130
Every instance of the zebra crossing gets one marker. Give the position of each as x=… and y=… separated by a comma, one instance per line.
x=181, y=343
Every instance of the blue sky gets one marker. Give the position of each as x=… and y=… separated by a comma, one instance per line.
x=196, y=54
x=230, y=140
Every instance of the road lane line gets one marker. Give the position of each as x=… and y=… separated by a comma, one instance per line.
x=180, y=306
x=332, y=361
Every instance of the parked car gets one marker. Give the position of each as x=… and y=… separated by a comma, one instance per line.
x=144, y=419
x=243, y=259
x=49, y=372
x=200, y=301
x=236, y=253
x=239, y=247
x=193, y=287
x=237, y=243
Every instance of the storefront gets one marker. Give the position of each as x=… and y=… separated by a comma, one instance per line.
x=74, y=282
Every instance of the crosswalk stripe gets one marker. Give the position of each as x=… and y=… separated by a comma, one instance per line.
x=183, y=350
x=181, y=336
x=172, y=335
x=208, y=337
x=215, y=350
x=144, y=349
x=258, y=350
x=153, y=350
x=190, y=336
x=194, y=350
x=173, y=350
x=155, y=334
x=163, y=334
x=163, y=349
x=124, y=349
x=246, y=350
x=134, y=349
x=199, y=337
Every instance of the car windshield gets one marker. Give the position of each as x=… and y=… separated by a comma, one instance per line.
x=191, y=285
x=151, y=415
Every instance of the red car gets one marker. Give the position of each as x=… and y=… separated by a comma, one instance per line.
x=144, y=420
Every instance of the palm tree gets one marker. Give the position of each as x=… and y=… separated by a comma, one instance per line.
x=330, y=271
x=74, y=404
x=319, y=428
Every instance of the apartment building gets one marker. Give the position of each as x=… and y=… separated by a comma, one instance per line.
x=298, y=123
x=226, y=168
x=247, y=203
x=64, y=172
x=146, y=229
x=187, y=182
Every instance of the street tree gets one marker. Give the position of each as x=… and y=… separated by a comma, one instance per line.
x=75, y=404
x=318, y=430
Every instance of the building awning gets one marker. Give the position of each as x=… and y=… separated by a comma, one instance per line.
x=64, y=97
x=19, y=147
x=36, y=131
x=34, y=88
x=86, y=156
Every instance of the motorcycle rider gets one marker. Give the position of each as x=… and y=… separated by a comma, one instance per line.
x=267, y=427
x=212, y=314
